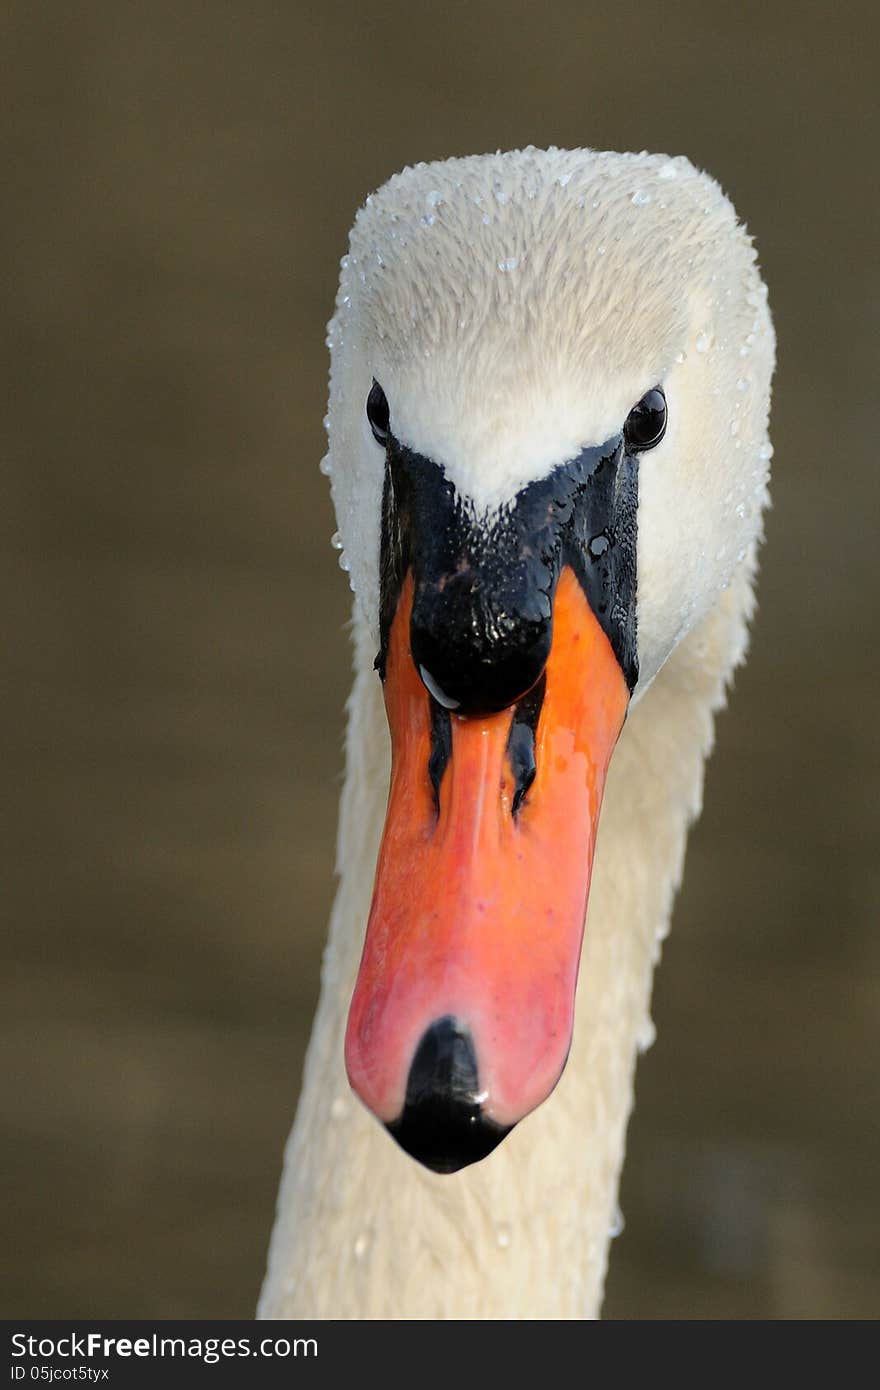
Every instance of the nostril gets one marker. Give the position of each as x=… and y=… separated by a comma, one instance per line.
x=442, y=1124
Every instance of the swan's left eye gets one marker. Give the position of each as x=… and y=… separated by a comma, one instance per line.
x=378, y=414
x=646, y=423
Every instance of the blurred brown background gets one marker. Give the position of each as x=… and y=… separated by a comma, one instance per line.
x=179, y=181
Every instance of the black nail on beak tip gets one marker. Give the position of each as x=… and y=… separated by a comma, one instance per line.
x=442, y=1124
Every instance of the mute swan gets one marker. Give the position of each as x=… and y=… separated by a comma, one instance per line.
x=550, y=377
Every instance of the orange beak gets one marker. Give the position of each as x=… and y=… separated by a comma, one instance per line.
x=480, y=897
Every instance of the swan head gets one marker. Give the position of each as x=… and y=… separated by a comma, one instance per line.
x=550, y=382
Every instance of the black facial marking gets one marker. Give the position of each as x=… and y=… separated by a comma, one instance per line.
x=521, y=742
x=482, y=618
x=441, y=747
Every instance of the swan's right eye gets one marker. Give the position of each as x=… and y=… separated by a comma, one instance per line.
x=378, y=414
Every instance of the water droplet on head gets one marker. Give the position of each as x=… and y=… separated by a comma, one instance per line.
x=617, y=1224
x=680, y=357
x=502, y=1235
x=742, y=384
x=336, y=541
x=510, y=264
x=428, y=220
x=600, y=250
x=563, y=180
x=640, y=198
x=766, y=451
x=647, y=1035
x=702, y=343
x=667, y=171
x=361, y=1245
x=344, y=562
x=325, y=466
x=434, y=198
